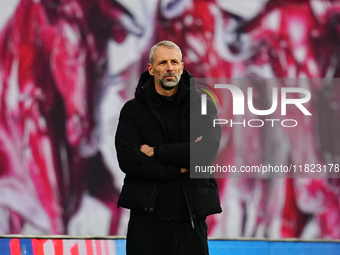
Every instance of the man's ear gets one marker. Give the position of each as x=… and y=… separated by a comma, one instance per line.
x=150, y=70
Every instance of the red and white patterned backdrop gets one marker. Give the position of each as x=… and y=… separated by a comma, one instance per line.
x=67, y=67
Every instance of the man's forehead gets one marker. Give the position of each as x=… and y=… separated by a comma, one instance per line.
x=163, y=53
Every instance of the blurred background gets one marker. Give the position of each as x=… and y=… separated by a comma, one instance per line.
x=68, y=66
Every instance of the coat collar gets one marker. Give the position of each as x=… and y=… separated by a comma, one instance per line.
x=146, y=86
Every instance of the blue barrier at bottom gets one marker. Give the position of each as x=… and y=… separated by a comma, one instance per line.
x=77, y=246
x=273, y=247
x=262, y=247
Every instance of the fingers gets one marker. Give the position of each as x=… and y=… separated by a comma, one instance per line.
x=198, y=139
x=147, y=150
x=184, y=170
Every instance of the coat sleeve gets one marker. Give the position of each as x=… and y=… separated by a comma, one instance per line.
x=131, y=160
x=202, y=152
x=174, y=153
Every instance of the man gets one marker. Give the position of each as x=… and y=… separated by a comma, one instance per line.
x=154, y=142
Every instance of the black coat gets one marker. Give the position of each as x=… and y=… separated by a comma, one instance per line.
x=140, y=123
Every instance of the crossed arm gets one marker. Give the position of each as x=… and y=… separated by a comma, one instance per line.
x=137, y=159
x=132, y=160
x=149, y=151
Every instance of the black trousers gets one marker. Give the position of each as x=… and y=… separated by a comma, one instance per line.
x=155, y=237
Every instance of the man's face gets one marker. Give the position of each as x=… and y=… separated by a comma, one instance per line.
x=167, y=67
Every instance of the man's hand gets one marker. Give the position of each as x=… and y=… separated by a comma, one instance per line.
x=198, y=139
x=184, y=170
x=147, y=150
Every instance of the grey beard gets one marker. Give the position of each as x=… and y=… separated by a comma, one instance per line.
x=168, y=85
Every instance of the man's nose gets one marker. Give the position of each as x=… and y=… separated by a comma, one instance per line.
x=169, y=66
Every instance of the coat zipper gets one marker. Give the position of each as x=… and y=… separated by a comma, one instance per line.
x=151, y=196
x=187, y=202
